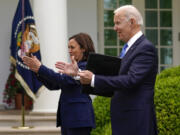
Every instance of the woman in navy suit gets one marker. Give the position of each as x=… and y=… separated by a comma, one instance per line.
x=75, y=112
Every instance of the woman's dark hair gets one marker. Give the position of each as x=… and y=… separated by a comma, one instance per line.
x=85, y=42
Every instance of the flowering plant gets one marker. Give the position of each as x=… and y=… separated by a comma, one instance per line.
x=12, y=87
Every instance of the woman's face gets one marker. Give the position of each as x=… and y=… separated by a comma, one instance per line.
x=75, y=50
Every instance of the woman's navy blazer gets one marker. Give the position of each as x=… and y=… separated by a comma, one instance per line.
x=75, y=108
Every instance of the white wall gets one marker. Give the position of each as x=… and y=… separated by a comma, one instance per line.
x=7, y=10
x=82, y=17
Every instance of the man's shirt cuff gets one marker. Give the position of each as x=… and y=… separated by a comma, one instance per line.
x=92, y=81
x=77, y=77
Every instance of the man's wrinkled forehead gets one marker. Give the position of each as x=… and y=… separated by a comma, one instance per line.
x=120, y=12
x=119, y=16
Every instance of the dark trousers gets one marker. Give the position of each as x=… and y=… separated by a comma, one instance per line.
x=76, y=131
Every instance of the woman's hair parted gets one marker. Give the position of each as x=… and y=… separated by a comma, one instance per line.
x=85, y=42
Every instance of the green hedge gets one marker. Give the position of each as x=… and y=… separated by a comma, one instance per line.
x=102, y=115
x=167, y=101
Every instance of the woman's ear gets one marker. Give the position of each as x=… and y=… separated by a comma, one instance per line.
x=83, y=50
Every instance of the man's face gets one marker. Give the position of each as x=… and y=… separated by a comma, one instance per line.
x=122, y=26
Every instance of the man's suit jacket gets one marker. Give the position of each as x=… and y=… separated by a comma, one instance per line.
x=132, y=105
x=74, y=108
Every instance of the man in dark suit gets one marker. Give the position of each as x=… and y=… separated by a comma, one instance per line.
x=132, y=104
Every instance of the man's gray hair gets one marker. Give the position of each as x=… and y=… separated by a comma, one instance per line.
x=131, y=12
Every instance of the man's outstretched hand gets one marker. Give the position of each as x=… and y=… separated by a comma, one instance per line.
x=85, y=76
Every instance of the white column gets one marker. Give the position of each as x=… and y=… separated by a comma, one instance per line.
x=51, y=22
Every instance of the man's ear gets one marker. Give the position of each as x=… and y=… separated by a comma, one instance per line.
x=132, y=21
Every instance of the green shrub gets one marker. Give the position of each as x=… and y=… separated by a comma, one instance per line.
x=170, y=72
x=167, y=101
x=107, y=129
x=102, y=115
